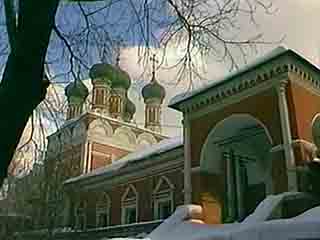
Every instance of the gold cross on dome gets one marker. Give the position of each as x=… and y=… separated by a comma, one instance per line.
x=154, y=61
x=118, y=44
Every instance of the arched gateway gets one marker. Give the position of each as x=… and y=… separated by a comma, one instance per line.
x=239, y=133
x=237, y=152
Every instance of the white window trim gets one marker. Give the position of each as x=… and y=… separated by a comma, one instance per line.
x=157, y=202
x=123, y=212
x=77, y=223
x=103, y=207
x=127, y=203
x=100, y=211
x=162, y=196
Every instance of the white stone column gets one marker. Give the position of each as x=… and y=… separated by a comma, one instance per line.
x=187, y=162
x=286, y=136
x=87, y=157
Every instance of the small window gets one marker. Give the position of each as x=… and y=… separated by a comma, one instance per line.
x=108, y=159
x=164, y=209
x=114, y=104
x=103, y=219
x=103, y=211
x=80, y=216
x=130, y=214
x=163, y=199
x=129, y=203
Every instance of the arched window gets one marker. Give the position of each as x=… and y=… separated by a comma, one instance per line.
x=115, y=103
x=129, y=205
x=152, y=115
x=99, y=97
x=80, y=216
x=163, y=198
x=103, y=211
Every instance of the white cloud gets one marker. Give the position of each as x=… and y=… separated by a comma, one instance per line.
x=140, y=72
x=296, y=20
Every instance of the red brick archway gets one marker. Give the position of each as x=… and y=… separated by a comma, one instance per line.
x=235, y=167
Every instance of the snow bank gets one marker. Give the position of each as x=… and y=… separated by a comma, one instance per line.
x=182, y=214
x=311, y=214
x=267, y=206
x=180, y=225
x=283, y=229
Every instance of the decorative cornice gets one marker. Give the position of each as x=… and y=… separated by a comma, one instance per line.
x=234, y=87
x=275, y=71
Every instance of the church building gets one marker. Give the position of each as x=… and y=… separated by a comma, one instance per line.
x=114, y=172
x=236, y=147
x=239, y=134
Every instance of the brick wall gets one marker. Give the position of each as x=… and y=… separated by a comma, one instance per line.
x=102, y=155
x=144, y=187
x=269, y=116
x=303, y=106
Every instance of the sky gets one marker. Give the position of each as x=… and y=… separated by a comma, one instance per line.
x=294, y=21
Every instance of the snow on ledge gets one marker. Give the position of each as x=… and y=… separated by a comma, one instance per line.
x=153, y=150
x=274, y=53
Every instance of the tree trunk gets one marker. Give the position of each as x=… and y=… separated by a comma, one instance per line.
x=22, y=87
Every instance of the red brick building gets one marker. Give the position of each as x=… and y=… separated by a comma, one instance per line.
x=114, y=173
x=236, y=149
x=238, y=134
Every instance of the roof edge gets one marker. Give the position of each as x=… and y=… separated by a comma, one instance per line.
x=182, y=98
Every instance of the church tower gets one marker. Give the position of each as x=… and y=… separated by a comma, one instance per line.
x=120, y=84
x=99, y=74
x=153, y=94
x=76, y=93
x=110, y=91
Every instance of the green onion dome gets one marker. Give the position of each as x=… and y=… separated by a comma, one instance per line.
x=153, y=90
x=113, y=75
x=76, y=92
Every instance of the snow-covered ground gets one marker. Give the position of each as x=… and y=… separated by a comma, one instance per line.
x=267, y=206
x=186, y=224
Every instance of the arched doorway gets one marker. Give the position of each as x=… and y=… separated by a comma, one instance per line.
x=237, y=151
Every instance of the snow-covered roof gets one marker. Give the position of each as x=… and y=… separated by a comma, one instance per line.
x=275, y=53
x=147, y=152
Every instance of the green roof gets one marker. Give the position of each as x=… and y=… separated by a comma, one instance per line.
x=112, y=75
x=76, y=92
x=153, y=90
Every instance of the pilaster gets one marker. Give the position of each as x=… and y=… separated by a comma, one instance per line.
x=187, y=161
x=286, y=135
